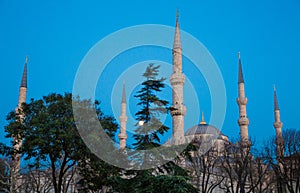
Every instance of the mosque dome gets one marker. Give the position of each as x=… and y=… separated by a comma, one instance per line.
x=204, y=129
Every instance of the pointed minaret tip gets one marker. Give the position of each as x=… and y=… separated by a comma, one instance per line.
x=24, y=76
x=241, y=76
x=177, y=40
x=177, y=15
x=276, y=106
x=124, y=93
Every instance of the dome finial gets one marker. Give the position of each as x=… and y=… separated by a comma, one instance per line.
x=203, y=120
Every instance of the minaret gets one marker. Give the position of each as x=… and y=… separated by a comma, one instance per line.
x=243, y=121
x=177, y=80
x=278, y=125
x=22, y=99
x=123, y=119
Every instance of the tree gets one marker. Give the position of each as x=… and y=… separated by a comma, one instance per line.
x=204, y=166
x=261, y=176
x=243, y=173
x=9, y=182
x=286, y=169
x=147, y=182
x=35, y=179
x=96, y=173
x=4, y=175
x=147, y=133
x=50, y=139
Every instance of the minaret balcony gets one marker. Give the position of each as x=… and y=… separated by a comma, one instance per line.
x=177, y=50
x=123, y=118
x=122, y=136
x=245, y=143
x=277, y=124
x=243, y=121
x=177, y=79
x=242, y=101
x=178, y=110
x=279, y=140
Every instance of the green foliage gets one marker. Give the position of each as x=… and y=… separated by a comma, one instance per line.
x=50, y=139
x=96, y=173
x=145, y=181
x=147, y=135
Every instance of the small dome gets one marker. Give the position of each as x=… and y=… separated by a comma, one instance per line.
x=205, y=129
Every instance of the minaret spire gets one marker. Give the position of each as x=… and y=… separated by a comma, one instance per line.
x=278, y=126
x=241, y=76
x=177, y=40
x=177, y=80
x=23, y=86
x=276, y=106
x=24, y=76
x=123, y=120
x=124, y=94
x=22, y=99
x=243, y=120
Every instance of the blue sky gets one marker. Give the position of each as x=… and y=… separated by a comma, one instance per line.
x=56, y=35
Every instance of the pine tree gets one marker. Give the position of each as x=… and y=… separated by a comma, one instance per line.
x=152, y=107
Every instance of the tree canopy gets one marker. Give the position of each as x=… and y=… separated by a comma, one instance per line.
x=50, y=139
